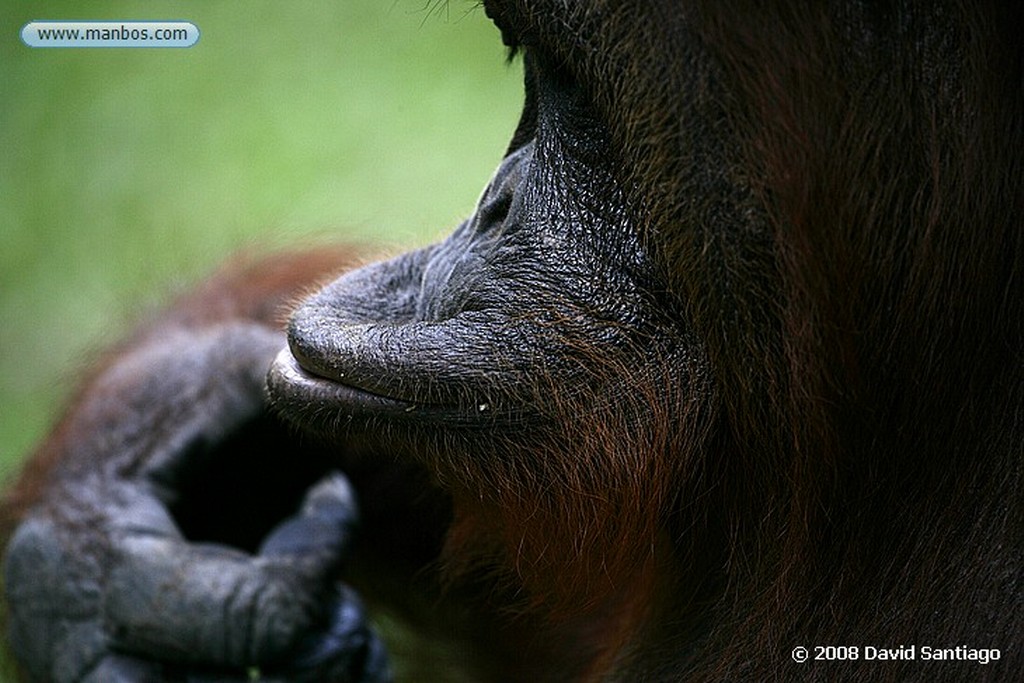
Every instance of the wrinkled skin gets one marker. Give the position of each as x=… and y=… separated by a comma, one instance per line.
x=655, y=411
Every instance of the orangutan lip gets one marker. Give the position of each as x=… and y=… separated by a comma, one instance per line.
x=291, y=373
x=293, y=388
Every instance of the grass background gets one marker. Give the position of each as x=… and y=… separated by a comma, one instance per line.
x=127, y=173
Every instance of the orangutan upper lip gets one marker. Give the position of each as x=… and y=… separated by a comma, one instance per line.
x=309, y=365
x=289, y=369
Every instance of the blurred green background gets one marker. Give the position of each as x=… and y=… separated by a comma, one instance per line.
x=125, y=174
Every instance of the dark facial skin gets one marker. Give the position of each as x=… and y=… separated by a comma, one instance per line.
x=466, y=333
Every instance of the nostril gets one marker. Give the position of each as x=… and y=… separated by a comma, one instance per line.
x=494, y=209
x=497, y=199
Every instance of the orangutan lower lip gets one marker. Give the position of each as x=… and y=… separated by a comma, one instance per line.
x=297, y=392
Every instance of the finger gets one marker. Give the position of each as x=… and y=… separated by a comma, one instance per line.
x=195, y=603
x=187, y=602
x=324, y=524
